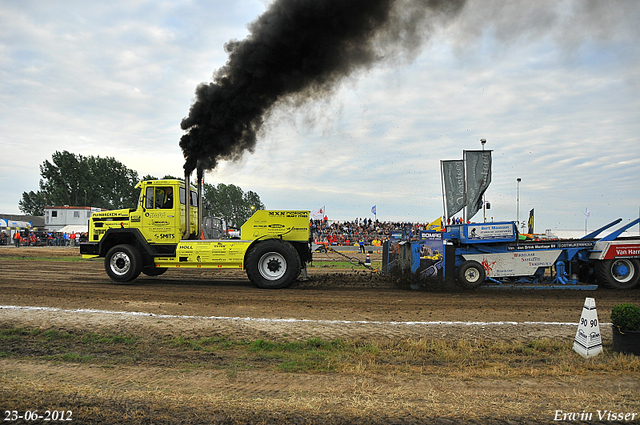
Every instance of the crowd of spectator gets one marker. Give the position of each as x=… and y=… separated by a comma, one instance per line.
x=371, y=232
x=26, y=238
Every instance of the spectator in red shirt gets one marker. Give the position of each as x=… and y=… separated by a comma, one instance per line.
x=16, y=238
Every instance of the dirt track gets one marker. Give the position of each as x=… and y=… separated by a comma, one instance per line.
x=332, y=304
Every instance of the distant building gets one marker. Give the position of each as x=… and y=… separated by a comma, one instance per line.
x=68, y=219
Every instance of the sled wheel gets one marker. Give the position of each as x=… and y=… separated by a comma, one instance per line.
x=621, y=273
x=470, y=274
x=273, y=264
x=123, y=263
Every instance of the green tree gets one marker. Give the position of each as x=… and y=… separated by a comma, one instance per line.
x=33, y=203
x=76, y=180
x=113, y=184
x=167, y=177
x=230, y=203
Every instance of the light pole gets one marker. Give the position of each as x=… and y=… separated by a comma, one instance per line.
x=484, y=205
x=518, y=201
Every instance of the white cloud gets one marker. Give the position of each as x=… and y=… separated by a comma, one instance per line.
x=551, y=85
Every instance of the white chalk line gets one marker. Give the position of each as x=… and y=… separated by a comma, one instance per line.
x=267, y=320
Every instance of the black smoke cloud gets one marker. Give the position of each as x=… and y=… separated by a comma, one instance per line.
x=299, y=49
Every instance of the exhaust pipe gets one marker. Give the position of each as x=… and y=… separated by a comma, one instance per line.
x=200, y=230
x=187, y=205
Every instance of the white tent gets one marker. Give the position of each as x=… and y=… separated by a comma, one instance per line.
x=11, y=223
x=74, y=229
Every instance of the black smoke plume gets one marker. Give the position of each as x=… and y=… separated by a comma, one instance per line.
x=299, y=49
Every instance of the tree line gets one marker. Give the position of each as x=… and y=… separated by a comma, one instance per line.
x=93, y=181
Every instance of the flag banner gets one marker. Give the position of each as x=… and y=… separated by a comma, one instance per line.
x=435, y=225
x=373, y=210
x=478, y=173
x=317, y=214
x=530, y=231
x=453, y=186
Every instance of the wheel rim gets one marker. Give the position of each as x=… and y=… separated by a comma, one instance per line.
x=120, y=263
x=471, y=275
x=622, y=270
x=272, y=266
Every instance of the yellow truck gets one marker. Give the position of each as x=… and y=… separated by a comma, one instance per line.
x=274, y=246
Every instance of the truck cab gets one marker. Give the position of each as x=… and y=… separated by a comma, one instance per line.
x=162, y=213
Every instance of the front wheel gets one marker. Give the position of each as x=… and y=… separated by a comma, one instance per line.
x=621, y=273
x=273, y=264
x=470, y=274
x=123, y=263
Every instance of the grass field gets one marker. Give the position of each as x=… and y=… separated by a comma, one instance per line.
x=135, y=378
x=462, y=358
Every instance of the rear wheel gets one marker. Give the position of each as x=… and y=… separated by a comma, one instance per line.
x=470, y=274
x=273, y=264
x=621, y=273
x=123, y=263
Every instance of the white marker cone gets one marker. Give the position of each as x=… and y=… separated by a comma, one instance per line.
x=588, y=342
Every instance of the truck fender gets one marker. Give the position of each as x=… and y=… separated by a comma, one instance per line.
x=128, y=236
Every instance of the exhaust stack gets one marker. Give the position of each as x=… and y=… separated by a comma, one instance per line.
x=200, y=230
x=187, y=205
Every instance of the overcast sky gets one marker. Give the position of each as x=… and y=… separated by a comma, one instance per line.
x=553, y=86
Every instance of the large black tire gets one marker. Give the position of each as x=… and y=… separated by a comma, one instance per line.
x=123, y=263
x=273, y=264
x=621, y=273
x=154, y=271
x=470, y=274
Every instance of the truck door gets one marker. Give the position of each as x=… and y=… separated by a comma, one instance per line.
x=161, y=217
x=194, y=205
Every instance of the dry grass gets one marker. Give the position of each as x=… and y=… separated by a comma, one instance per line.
x=460, y=359
x=108, y=378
